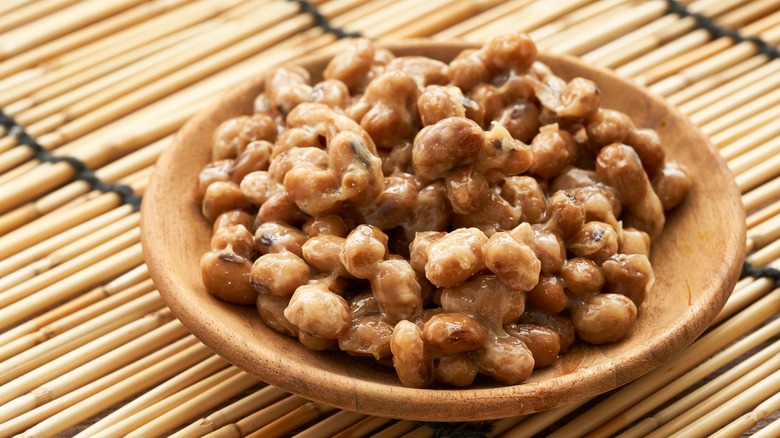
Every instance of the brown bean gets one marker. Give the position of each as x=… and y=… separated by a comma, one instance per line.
x=256, y=156
x=609, y=126
x=214, y=171
x=445, y=145
x=604, y=318
x=425, y=71
x=439, y=102
x=226, y=276
x=411, y=358
x=363, y=249
x=521, y=119
x=271, y=237
x=233, y=217
x=580, y=99
x=595, y=240
x=456, y=369
x=280, y=208
x=631, y=275
x=502, y=155
x=553, y=150
x=451, y=333
x=418, y=249
x=514, y=263
x=353, y=66
x=319, y=312
x=558, y=323
x=565, y=214
x=363, y=304
x=647, y=145
x=396, y=289
x=316, y=343
x=284, y=161
x=258, y=187
x=546, y=244
x=287, y=87
x=526, y=192
x=279, y=273
x=485, y=299
x=393, y=205
x=330, y=92
x=233, y=135
x=271, y=311
x=328, y=224
x=544, y=343
x=431, y=213
x=455, y=257
x=467, y=69
x=582, y=277
x=548, y=295
x=236, y=239
x=223, y=196
x=506, y=359
x=509, y=53
x=619, y=166
x=467, y=190
x=322, y=253
x=368, y=335
x=496, y=215
x=633, y=241
x=672, y=184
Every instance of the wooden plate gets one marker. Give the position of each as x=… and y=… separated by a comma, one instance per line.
x=697, y=261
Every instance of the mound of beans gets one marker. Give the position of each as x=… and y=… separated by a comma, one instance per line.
x=448, y=220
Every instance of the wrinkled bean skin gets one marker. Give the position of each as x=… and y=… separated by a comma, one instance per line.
x=287, y=87
x=619, y=166
x=456, y=369
x=514, y=263
x=501, y=155
x=236, y=239
x=604, y=318
x=425, y=71
x=595, y=240
x=368, y=335
x=223, y=196
x=496, y=215
x=226, y=275
x=393, y=205
x=258, y=187
x=256, y=156
x=411, y=358
x=580, y=99
x=418, y=249
x=547, y=245
x=455, y=257
x=315, y=343
x=609, y=126
x=582, y=277
x=280, y=208
x=485, y=299
x=526, y=193
x=452, y=333
x=214, y=171
x=521, y=119
x=396, y=290
x=467, y=190
x=506, y=359
x=439, y=102
x=233, y=135
x=544, y=343
x=233, y=217
x=319, y=312
x=633, y=241
x=363, y=249
x=322, y=253
x=565, y=214
x=647, y=145
x=553, y=151
x=354, y=66
x=271, y=237
x=630, y=275
x=432, y=212
x=279, y=273
x=330, y=225
x=271, y=311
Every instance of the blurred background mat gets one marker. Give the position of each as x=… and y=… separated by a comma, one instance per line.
x=92, y=91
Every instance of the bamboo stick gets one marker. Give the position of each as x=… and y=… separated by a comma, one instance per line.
x=56, y=272
x=393, y=17
x=29, y=12
x=765, y=254
x=88, y=277
x=78, y=67
x=636, y=67
x=424, y=26
x=82, y=354
x=747, y=106
x=739, y=300
x=363, y=427
x=640, y=41
x=21, y=343
x=90, y=371
x=424, y=431
x=36, y=250
x=105, y=384
x=500, y=426
x=231, y=413
x=758, y=217
x=291, y=421
x=550, y=33
x=252, y=423
x=120, y=391
x=728, y=408
x=590, y=37
x=71, y=338
x=752, y=140
x=226, y=384
x=536, y=423
x=729, y=126
x=535, y=16
x=186, y=385
x=746, y=422
x=710, y=83
x=116, y=23
x=395, y=430
x=761, y=195
x=332, y=425
x=759, y=173
x=79, y=254
x=706, y=67
x=365, y=10
x=744, y=128
x=748, y=87
x=680, y=384
x=58, y=24
x=484, y=18
x=772, y=430
x=641, y=388
x=13, y=5
x=742, y=375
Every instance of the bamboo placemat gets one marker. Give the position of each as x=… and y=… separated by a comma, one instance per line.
x=91, y=92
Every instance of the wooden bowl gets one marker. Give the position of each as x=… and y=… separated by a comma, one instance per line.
x=697, y=261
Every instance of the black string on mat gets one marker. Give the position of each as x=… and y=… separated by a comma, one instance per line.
x=322, y=21
x=83, y=172
x=718, y=31
x=748, y=270
x=459, y=430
